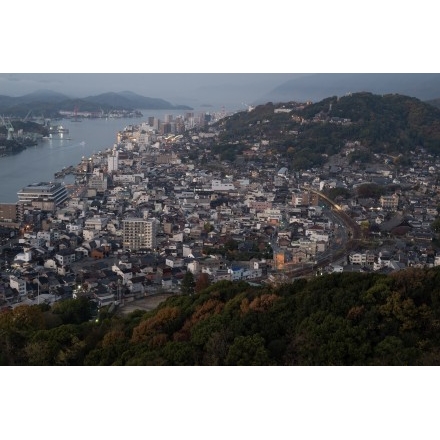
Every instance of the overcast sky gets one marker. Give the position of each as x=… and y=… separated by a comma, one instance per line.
x=195, y=37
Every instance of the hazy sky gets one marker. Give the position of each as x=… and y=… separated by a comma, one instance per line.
x=193, y=36
x=179, y=88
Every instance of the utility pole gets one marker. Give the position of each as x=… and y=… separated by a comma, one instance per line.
x=38, y=288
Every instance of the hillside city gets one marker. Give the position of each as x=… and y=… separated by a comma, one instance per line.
x=161, y=203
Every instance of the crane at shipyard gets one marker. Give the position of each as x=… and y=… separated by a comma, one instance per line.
x=9, y=128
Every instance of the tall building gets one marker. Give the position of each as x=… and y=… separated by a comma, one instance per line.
x=164, y=128
x=113, y=161
x=44, y=192
x=139, y=234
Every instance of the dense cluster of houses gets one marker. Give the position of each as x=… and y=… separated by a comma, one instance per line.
x=251, y=222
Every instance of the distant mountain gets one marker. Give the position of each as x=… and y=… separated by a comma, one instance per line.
x=49, y=103
x=130, y=100
x=314, y=87
x=47, y=96
x=6, y=101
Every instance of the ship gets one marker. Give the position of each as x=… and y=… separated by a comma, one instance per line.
x=58, y=129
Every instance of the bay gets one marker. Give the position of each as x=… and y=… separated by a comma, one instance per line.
x=39, y=163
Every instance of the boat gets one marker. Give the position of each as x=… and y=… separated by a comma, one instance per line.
x=58, y=129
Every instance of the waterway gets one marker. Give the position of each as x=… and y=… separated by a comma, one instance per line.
x=39, y=163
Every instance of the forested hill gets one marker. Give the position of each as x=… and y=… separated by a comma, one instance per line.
x=385, y=123
x=339, y=319
x=385, y=118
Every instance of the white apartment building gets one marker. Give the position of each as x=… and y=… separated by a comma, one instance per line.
x=139, y=233
x=218, y=185
x=18, y=284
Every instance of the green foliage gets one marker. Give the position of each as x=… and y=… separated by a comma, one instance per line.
x=392, y=124
x=248, y=350
x=334, y=193
x=188, y=284
x=435, y=225
x=338, y=319
x=228, y=152
x=363, y=156
x=368, y=190
x=73, y=311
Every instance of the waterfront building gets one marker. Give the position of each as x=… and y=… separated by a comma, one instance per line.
x=55, y=193
x=86, y=165
x=139, y=233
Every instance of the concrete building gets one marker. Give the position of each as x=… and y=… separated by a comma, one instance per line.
x=65, y=257
x=98, y=182
x=139, y=233
x=55, y=193
x=389, y=202
x=18, y=284
x=113, y=161
x=8, y=212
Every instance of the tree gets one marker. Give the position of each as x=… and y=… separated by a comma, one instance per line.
x=370, y=190
x=208, y=227
x=248, y=350
x=202, y=282
x=73, y=311
x=435, y=225
x=188, y=284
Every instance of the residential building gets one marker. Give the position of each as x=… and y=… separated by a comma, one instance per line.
x=17, y=284
x=139, y=233
x=65, y=256
x=389, y=202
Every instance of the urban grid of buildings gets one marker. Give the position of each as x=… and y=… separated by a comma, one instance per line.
x=159, y=203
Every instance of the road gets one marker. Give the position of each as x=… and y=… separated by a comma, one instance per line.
x=148, y=303
x=346, y=233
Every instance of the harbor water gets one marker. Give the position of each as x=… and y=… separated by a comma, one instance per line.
x=85, y=138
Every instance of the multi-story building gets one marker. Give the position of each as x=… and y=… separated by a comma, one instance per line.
x=18, y=284
x=389, y=202
x=96, y=222
x=305, y=198
x=218, y=185
x=362, y=259
x=139, y=233
x=52, y=193
x=98, y=182
x=113, y=161
x=65, y=256
x=8, y=212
